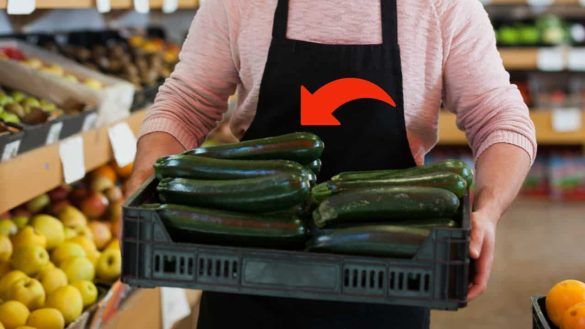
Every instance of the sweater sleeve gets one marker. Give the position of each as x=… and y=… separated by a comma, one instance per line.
x=194, y=98
x=476, y=85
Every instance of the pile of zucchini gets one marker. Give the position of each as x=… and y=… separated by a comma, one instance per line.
x=247, y=194
x=387, y=212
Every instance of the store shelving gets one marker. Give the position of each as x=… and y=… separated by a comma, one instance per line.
x=115, y=4
x=520, y=58
x=545, y=134
x=39, y=170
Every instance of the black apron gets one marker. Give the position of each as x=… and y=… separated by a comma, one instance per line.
x=372, y=135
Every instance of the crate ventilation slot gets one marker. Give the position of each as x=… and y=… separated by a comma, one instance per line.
x=173, y=264
x=218, y=268
x=409, y=281
x=368, y=279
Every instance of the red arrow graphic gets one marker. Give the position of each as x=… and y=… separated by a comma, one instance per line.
x=317, y=108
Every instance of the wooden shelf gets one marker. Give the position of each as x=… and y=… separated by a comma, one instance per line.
x=39, y=170
x=520, y=58
x=545, y=134
x=116, y=4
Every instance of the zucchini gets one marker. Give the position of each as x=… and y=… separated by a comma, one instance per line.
x=455, y=166
x=445, y=180
x=370, y=240
x=315, y=166
x=196, y=167
x=260, y=194
x=300, y=147
x=232, y=228
x=388, y=204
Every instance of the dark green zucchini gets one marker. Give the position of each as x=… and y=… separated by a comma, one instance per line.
x=370, y=240
x=455, y=166
x=231, y=228
x=260, y=194
x=445, y=180
x=300, y=147
x=196, y=167
x=315, y=166
x=386, y=204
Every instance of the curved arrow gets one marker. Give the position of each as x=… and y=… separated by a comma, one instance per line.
x=317, y=108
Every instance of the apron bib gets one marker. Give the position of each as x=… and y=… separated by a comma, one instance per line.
x=371, y=135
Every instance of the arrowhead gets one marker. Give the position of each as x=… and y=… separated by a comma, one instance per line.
x=313, y=113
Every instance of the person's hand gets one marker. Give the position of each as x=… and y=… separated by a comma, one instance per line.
x=481, y=249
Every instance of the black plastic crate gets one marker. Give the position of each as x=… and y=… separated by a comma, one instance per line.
x=437, y=277
x=10, y=145
x=74, y=124
x=145, y=96
x=540, y=319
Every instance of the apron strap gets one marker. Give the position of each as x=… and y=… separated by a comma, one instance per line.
x=389, y=21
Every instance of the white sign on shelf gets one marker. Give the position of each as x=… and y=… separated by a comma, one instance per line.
x=89, y=122
x=485, y=2
x=170, y=6
x=10, y=150
x=104, y=6
x=142, y=6
x=551, y=59
x=54, y=133
x=174, y=306
x=20, y=7
x=576, y=60
x=540, y=3
x=582, y=2
x=123, y=143
x=72, y=159
x=566, y=119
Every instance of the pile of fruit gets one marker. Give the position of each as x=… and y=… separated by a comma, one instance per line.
x=18, y=107
x=56, y=247
x=261, y=193
x=15, y=54
x=565, y=304
x=546, y=30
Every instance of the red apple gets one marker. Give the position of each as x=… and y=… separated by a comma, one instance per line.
x=94, y=205
x=59, y=193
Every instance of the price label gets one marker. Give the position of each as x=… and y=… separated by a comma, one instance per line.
x=551, y=59
x=576, y=60
x=566, y=119
x=54, y=133
x=540, y=3
x=142, y=6
x=20, y=7
x=123, y=143
x=170, y=6
x=103, y=6
x=71, y=154
x=582, y=3
x=174, y=306
x=485, y=2
x=89, y=122
x=10, y=150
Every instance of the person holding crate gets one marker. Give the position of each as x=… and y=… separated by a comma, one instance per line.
x=382, y=67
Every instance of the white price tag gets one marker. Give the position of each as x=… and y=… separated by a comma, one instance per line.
x=174, y=306
x=540, y=3
x=566, y=119
x=551, y=59
x=576, y=60
x=54, y=133
x=103, y=6
x=123, y=143
x=20, y=7
x=582, y=2
x=10, y=150
x=170, y=6
x=142, y=6
x=71, y=154
x=485, y=2
x=89, y=122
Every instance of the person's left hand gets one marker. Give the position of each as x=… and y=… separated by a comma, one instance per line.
x=481, y=249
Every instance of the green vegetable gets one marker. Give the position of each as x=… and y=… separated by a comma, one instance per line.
x=445, y=180
x=370, y=240
x=455, y=166
x=300, y=147
x=260, y=194
x=231, y=228
x=315, y=166
x=388, y=204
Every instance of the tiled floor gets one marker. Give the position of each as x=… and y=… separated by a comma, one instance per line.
x=538, y=244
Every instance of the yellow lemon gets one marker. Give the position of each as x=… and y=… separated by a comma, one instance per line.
x=46, y=318
x=13, y=314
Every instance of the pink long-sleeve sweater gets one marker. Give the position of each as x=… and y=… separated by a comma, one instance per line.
x=448, y=54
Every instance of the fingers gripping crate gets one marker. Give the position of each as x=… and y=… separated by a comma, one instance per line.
x=437, y=277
